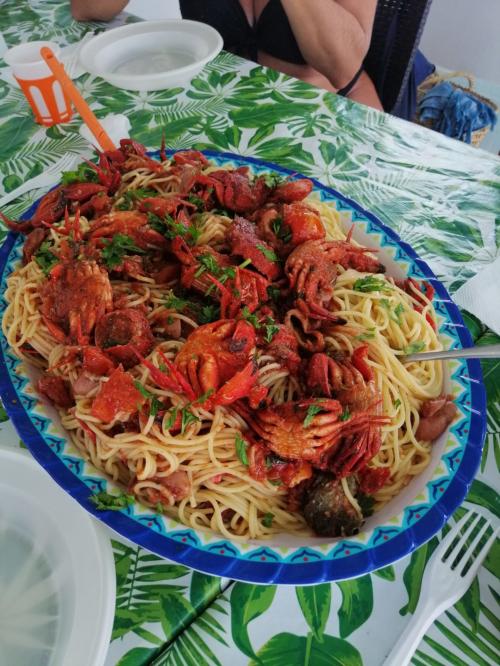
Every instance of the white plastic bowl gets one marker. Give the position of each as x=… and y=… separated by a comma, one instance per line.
x=57, y=573
x=151, y=55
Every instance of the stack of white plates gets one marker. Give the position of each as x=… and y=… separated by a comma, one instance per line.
x=57, y=574
x=151, y=55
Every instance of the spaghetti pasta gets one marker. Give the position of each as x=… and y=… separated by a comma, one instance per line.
x=194, y=456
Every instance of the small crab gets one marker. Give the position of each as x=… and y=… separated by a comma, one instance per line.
x=121, y=333
x=217, y=357
x=312, y=271
x=130, y=223
x=74, y=297
x=318, y=431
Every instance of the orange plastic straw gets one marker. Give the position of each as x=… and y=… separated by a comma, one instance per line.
x=80, y=104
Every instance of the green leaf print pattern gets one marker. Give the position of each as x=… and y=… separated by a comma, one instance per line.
x=152, y=607
x=139, y=578
x=412, y=576
x=484, y=496
x=138, y=656
x=387, y=573
x=201, y=588
x=315, y=603
x=491, y=375
x=357, y=604
x=469, y=605
x=307, y=651
x=191, y=647
x=247, y=603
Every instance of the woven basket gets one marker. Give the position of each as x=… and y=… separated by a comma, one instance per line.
x=432, y=80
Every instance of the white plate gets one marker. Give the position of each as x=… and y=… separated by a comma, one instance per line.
x=57, y=574
x=151, y=55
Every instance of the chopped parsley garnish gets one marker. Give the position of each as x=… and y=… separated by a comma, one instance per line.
x=272, y=179
x=270, y=255
x=197, y=201
x=83, y=174
x=270, y=329
x=131, y=196
x=414, y=347
x=172, y=418
x=185, y=412
x=142, y=390
x=227, y=273
x=155, y=404
x=281, y=230
x=274, y=293
x=203, y=397
x=160, y=224
x=251, y=318
x=187, y=417
x=204, y=314
x=171, y=229
x=208, y=314
x=276, y=225
x=154, y=407
x=395, y=314
x=241, y=449
x=267, y=520
x=370, y=283
x=369, y=334
x=45, y=258
x=173, y=302
x=398, y=311
x=346, y=415
x=312, y=410
x=223, y=212
x=397, y=403
x=207, y=263
x=116, y=248
x=106, y=502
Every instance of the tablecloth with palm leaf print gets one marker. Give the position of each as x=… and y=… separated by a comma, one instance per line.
x=440, y=196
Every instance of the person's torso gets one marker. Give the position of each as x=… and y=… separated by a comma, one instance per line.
x=258, y=30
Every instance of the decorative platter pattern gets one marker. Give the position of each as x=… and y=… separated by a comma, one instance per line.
x=319, y=561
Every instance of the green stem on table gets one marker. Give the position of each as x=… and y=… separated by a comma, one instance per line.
x=308, y=648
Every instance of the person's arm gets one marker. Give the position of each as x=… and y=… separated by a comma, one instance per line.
x=333, y=35
x=96, y=10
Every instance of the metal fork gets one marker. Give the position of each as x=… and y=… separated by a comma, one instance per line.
x=485, y=351
x=448, y=576
x=50, y=176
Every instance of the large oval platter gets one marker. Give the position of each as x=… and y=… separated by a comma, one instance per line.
x=409, y=520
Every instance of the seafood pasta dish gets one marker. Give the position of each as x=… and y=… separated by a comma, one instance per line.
x=218, y=345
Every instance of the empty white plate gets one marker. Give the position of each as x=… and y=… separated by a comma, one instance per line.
x=57, y=573
x=151, y=55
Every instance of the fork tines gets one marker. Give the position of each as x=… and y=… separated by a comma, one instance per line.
x=459, y=545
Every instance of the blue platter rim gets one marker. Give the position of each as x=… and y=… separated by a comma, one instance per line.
x=261, y=569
